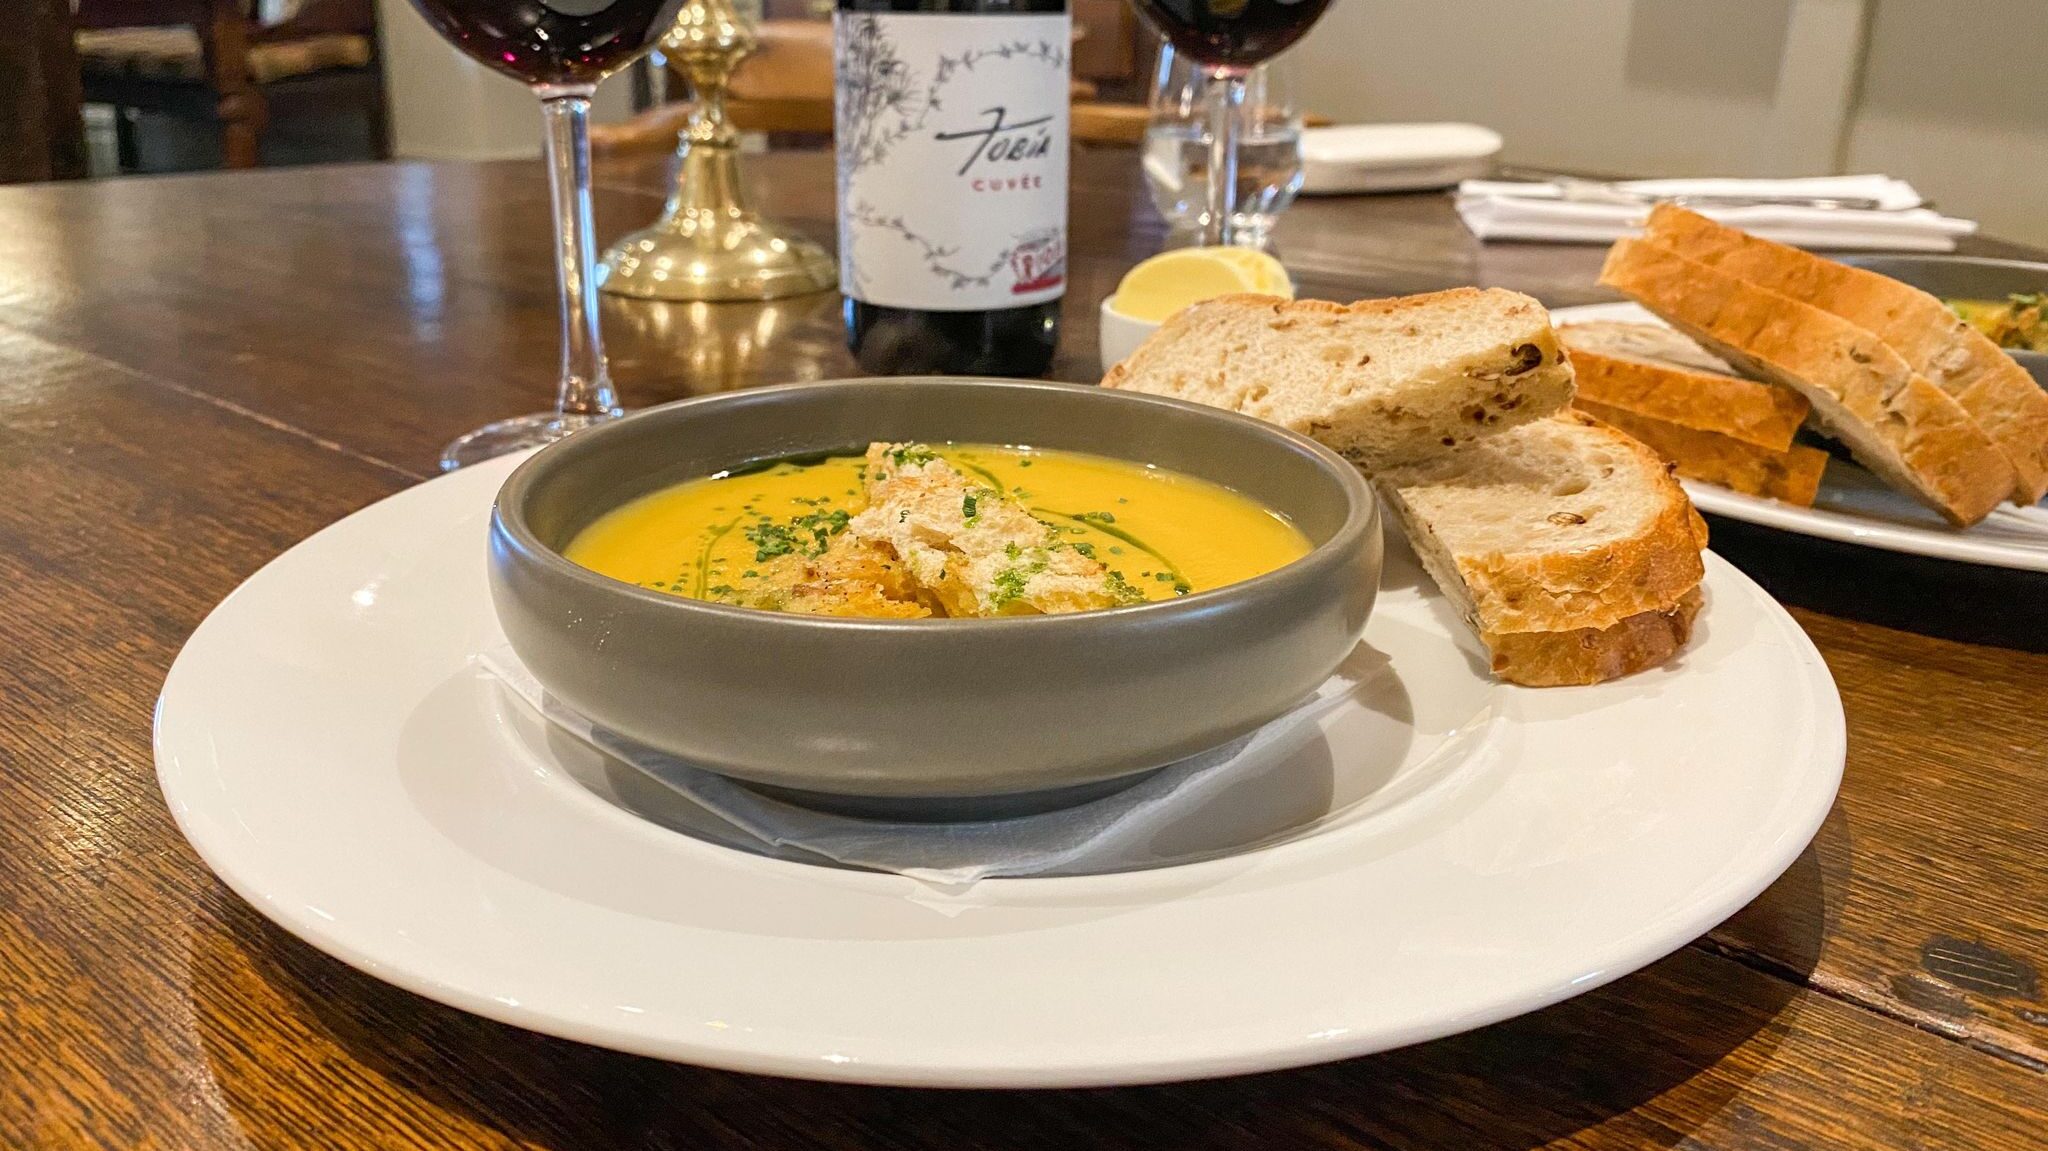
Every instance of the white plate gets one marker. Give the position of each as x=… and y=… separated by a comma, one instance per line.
x=1458, y=851
x=1340, y=159
x=1856, y=507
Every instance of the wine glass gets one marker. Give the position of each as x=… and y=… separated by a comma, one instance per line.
x=1228, y=38
x=1176, y=153
x=560, y=49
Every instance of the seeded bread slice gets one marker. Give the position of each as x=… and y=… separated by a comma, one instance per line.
x=1991, y=386
x=1564, y=543
x=1594, y=655
x=1653, y=371
x=1911, y=433
x=1792, y=475
x=1381, y=381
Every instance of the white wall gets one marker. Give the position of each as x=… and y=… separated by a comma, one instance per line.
x=445, y=106
x=1953, y=100
x=1945, y=93
x=1664, y=86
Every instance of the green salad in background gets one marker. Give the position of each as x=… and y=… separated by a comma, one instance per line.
x=2014, y=322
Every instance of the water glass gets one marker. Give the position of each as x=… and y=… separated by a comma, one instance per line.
x=1269, y=165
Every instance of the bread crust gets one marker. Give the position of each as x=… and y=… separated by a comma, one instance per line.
x=1765, y=415
x=1590, y=655
x=1896, y=423
x=1522, y=376
x=1991, y=386
x=1544, y=591
x=1541, y=590
x=1792, y=475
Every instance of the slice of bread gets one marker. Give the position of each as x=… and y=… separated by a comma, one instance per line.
x=1908, y=431
x=1381, y=381
x=1792, y=475
x=1564, y=543
x=1993, y=388
x=1594, y=655
x=1653, y=371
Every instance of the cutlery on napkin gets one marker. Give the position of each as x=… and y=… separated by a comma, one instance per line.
x=1811, y=212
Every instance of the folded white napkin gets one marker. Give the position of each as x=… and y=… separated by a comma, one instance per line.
x=1125, y=830
x=1502, y=210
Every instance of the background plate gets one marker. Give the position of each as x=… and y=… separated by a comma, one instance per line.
x=1456, y=851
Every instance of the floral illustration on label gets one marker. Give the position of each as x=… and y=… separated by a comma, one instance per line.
x=952, y=155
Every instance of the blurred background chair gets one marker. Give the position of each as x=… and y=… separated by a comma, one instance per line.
x=212, y=61
x=42, y=133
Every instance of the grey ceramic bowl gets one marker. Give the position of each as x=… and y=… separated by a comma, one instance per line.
x=1968, y=278
x=930, y=708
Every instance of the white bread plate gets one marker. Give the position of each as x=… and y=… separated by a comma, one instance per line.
x=1344, y=159
x=1855, y=507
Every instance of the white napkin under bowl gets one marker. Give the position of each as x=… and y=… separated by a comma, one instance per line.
x=1120, y=831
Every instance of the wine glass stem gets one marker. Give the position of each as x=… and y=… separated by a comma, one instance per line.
x=1226, y=117
x=586, y=385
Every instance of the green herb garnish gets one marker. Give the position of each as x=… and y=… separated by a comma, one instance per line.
x=1120, y=589
x=970, y=504
x=1009, y=586
x=770, y=540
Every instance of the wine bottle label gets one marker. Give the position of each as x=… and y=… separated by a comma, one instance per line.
x=951, y=132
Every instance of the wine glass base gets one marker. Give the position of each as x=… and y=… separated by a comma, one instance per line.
x=514, y=435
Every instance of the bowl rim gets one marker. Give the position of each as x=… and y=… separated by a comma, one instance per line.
x=1362, y=515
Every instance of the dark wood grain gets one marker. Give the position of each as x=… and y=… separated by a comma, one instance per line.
x=195, y=372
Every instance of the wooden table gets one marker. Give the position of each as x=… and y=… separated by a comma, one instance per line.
x=197, y=372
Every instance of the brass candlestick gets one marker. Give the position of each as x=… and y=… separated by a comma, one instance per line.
x=708, y=245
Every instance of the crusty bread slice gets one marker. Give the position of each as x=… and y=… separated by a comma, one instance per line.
x=1595, y=655
x=1564, y=543
x=1997, y=392
x=1913, y=434
x=1792, y=475
x=1381, y=381
x=1653, y=371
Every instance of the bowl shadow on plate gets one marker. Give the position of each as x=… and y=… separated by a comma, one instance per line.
x=1401, y=571
x=493, y=806
x=1664, y=1033
x=1281, y=795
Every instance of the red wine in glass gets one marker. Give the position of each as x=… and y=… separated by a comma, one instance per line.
x=560, y=49
x=1229, y=38
x=1232, y=33
x=565, y=42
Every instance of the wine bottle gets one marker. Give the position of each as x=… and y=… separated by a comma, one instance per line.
x=950, y=126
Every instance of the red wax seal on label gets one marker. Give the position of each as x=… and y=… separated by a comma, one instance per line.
x=1039, y=261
